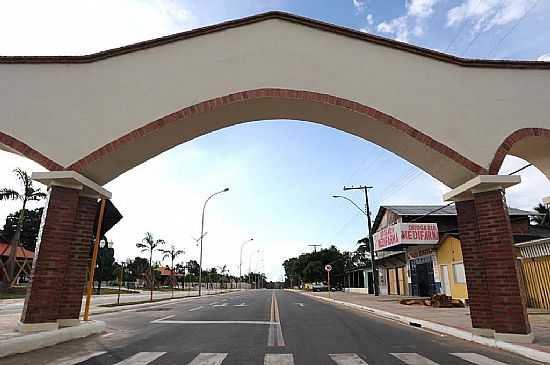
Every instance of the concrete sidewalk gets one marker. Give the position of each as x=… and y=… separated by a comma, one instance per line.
x=452, y=321
x=12, y=341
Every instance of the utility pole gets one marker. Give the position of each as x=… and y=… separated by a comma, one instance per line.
x=371, y=241
x=314, y=247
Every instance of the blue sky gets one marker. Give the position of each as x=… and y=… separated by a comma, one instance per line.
x=281, y=173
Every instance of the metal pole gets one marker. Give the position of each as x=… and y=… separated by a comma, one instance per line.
x=120, y=283
x=91, y=272
x=371, y=245
x=241, y=261
x=202, y=235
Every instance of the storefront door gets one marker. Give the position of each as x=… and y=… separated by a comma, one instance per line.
x=422, y=277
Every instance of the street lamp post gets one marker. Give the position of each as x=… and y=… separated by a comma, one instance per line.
x=202, y=235
x=371, y=243
x=250, y=268
x=241, y=261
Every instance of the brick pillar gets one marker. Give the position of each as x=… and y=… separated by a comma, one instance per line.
x=497, y=300
x=507, y=296
x=79, y=260
x=59, y=266
x=474, y=266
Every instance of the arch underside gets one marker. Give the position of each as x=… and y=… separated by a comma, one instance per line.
x=138, y=146
x=535, y=150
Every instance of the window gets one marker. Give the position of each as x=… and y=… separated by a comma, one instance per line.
x=458, y=273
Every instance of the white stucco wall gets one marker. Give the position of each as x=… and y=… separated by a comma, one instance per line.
x=66, y=111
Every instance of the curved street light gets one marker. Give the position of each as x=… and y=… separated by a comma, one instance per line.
x=241, y=261
x=371, y=243
x=202, y=235
x=351, y=201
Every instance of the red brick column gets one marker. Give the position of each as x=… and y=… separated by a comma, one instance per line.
x=507, y=296
x=497, y=300
x=79, y=260
x=474, y=266
x=59, y=266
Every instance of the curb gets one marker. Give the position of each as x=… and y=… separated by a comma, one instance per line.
x=40, y=340
x=131, y=307
x=530, y=353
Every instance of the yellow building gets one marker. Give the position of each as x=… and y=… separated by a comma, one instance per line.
x=451, y=267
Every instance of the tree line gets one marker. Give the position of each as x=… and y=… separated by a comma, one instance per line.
x=309, y=267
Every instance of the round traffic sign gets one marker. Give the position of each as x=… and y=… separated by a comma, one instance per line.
x=328, y=267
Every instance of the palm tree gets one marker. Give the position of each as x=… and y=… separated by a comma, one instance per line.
x=544, y=218
x=149, y=244
x=29, y=194
x=171, y=254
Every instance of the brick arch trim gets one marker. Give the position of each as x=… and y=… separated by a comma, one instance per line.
x=30, y=153
x=509, y=141
x=314, y=97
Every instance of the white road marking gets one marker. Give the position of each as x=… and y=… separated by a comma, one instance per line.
x=213, y=303
x=412, y=358
x=141, y=358
x=241, y=305
x=477, y=358
x=279, y=359
x=275, y=334
x=220, y=305
x=195, y=309
x=300, y=304
x=214, y=322
x=347, y=359
x=208, y=359
x=76, y=360
x=163, y=318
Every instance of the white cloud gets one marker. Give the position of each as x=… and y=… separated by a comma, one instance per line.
x=397, y=26
x=370, y=23
x=359, y=6
x=370, y=19
x=544, y=57
x=68, y=27
x=489, y=13
x=412, y=22
x=421, y=8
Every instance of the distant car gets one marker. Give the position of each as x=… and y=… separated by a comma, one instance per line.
x=319, y=287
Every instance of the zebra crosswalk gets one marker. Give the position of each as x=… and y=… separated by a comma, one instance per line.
x=408, y=358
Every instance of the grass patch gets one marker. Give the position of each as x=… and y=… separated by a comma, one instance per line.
x=13, y=293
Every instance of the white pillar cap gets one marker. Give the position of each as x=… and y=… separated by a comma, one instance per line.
x=480, y=184
x=73, y=180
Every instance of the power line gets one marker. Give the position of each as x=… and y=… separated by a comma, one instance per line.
x=461, y=28
x=472, y=42
x=520, y=169
x=516, y=24
x=451, y=203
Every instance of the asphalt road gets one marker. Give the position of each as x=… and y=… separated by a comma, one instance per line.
x=261, y=327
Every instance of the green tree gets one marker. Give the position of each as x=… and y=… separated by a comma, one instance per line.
x=137, y=268
x=309, y=266
x=30, y=229
x=171, y=254
x=28, y=194
x=149, y=244
x=544, y=218
x=193, y=267
x=105, y=270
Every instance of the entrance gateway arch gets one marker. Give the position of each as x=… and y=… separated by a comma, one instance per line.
x=90, y=118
